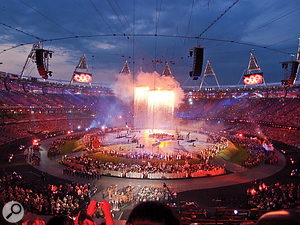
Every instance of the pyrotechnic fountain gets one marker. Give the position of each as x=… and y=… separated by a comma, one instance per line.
x=153, y=109
x=154, y=97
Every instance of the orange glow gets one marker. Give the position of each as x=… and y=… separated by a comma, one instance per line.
x=161, y=98
x=153, y=108
x=154, y=98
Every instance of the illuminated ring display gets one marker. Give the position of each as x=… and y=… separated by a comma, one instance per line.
x=253, y=79
x=83, y=77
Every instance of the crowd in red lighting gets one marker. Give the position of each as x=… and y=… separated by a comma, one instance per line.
x=273, y=197
x=46, y=199
x=83, y=166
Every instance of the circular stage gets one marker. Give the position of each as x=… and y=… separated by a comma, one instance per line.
x=158, y=141
x=238, y=174
x=150, y=154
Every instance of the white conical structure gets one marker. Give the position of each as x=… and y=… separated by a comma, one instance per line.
x=209, y=72
x=125, y=68
x=253, y=64
x=30, y=57
x=82, y=63
x=253, y=67
x=167, y=71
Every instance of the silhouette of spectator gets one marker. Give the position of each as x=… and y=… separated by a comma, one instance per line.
x=152, y=213
x=60, y=220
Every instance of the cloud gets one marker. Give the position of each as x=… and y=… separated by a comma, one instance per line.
x=102, y=45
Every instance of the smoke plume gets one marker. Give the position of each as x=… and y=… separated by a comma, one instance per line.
x=124, y=86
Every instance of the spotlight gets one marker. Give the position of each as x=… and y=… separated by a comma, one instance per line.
x=235, y=212
x=35, y=142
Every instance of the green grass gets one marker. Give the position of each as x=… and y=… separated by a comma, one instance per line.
x=234, y=154
x=70, y=147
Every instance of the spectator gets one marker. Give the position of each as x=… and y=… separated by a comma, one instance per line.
x=152, y=213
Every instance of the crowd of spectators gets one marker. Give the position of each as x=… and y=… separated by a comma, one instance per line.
x=39, y=128
x=270, y=110
x=128, y=195
x=24, y=100
x=46, y=199
x=273, y=197
x=277, y=118
x=119, y=198
x=258, y=151
x=287, y=136
x=149, y=193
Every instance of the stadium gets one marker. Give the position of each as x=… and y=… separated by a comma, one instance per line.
x=214, y=154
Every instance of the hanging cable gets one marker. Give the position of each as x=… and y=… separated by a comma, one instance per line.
x=21, y=31
x=122, y=13
x=151, y=35
x=157, y=15
x=133, y=40
x=190, y=18
x=274, y=19
x=46, y=17
x=115, y=12
x=100, y=14
x=218, y=18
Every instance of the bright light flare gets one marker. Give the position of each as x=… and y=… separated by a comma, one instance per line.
x=153, y=107
x=161, y=98
x=35, y=142
x=141, y=95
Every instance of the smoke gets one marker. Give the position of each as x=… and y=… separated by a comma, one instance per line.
x=123, y=87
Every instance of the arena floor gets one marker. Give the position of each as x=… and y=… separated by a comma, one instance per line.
x=238, y=175
x=165, y=144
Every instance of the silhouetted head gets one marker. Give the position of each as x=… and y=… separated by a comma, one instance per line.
x=281, y=217
x=60, y=220
x=152, y=213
